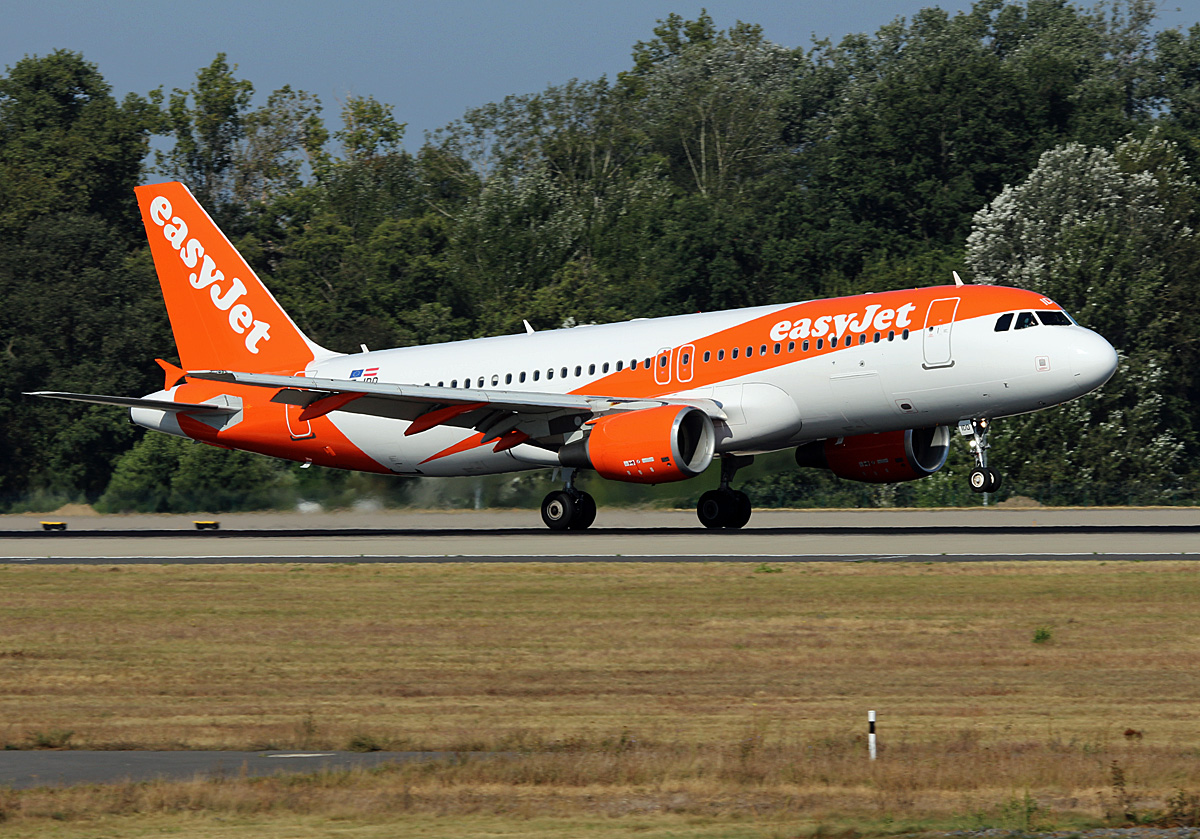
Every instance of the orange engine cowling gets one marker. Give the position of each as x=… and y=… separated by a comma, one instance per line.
x=883, y=458
x=650, y=446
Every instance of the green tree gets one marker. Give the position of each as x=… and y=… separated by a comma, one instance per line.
x=82, y=311
x=1104, y=234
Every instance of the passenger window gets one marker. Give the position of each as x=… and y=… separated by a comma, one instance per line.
x=905, y=335
x=521, y=378
x=733, y=352
x=777, y=349
x=1054, y=318
x=862, y=339
x=508, y=378
x=707, y=356
x=564, y=372
x=633, y=364
x=578, y=370
x=720, y=355
x=537, y=374
x=495, y=379
x=662, y=361
x=1026, y=320
x=647, y=364
x=480, y=382
x=591, y=369
x=791, y=346
x=891, y=335
x=875, y=340
x=550, y=373
x=804, y=346
x=620, y=366
x=454, y=383
x=820, y=343
x=763, y=350
x=686, y=358
x=749, y=352
x=604, y=369
x=1004, y=322
x=441, y=384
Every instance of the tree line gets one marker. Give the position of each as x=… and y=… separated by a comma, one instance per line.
x=1034, y=143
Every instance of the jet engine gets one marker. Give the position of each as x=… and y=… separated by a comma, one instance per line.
x=883, y=458
x=649, y=446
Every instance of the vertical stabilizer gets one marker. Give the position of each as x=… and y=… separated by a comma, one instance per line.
x=222, y=315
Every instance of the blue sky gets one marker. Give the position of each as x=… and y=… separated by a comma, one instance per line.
x=430, y=60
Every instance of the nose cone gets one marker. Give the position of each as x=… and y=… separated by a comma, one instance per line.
x=1093, y=360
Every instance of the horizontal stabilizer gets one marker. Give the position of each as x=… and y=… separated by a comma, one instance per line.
x=133, y=402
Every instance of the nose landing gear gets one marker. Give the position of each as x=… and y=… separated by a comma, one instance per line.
x=726, y=507
x=983, y=478
x=568, y=508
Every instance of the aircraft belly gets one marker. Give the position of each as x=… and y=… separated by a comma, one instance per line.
x=767, y=414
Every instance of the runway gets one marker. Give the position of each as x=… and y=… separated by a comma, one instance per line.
x=638, y=536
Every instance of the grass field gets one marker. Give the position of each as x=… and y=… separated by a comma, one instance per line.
x=672, y=700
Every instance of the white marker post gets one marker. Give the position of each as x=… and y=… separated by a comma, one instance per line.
x=871, y=733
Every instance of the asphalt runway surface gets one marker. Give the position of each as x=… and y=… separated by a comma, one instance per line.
x=30, y=769
x=630, y=536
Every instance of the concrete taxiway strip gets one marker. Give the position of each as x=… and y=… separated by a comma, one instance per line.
x=29, y=769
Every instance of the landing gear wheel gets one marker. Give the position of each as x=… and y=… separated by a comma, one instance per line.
x=985, y=479
x=558, y=510
x=740, y=511
x=994, y=479
x=724, y=508
x=712, y=509
x=585, y=511
x=979, y=479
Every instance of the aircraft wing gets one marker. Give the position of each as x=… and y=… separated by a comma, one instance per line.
x=133, y=402
x=495, y=413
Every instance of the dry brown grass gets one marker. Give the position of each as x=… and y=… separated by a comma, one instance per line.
x=715, y=693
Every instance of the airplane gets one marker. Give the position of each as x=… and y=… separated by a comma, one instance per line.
x=869, y=386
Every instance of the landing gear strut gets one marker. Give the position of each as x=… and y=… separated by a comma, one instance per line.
x=568, y=508
x=983, y=478
x=726, y=507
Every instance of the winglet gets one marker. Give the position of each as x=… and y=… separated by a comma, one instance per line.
x=175, y=375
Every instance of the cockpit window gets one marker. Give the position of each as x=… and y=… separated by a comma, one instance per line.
x=1026, y=320
x=1054, y=318
x=1004, y=322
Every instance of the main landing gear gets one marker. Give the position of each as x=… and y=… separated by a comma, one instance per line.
x=725, y=507
x=569, y=508
x=983, y=478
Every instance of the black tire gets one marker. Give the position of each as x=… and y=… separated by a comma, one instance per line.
x=558, y=509
x=994, y=480
x=585, y=511
x=740, y=510
x=712, y=509
x=979, y=480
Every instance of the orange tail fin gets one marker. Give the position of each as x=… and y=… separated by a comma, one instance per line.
x=222, y=315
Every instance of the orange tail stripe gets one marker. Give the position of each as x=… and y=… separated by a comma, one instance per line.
x=440, y=415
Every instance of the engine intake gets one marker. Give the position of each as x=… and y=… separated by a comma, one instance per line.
x=650, y=446
x=883, y=458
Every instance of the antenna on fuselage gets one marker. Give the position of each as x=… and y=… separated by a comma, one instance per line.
x=528, y=328
x=957, y=279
